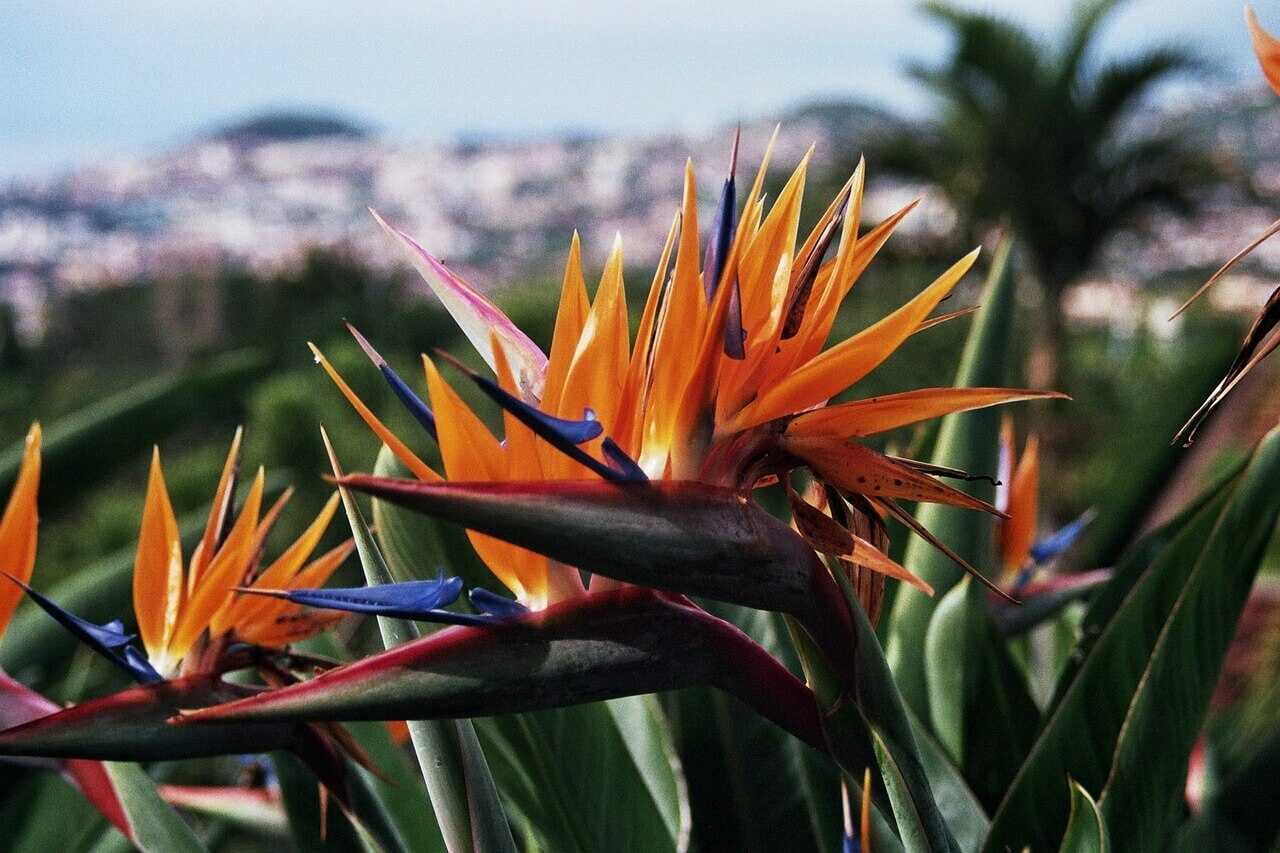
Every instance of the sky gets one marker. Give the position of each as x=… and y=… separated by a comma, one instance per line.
x=87, y=79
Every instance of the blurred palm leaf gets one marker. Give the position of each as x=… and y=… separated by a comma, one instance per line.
x=1037, y=134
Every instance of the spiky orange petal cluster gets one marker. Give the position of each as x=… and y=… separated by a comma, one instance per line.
x=176, y=605
x=683, y=399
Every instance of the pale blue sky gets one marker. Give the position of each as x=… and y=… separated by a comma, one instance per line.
x=82, y=79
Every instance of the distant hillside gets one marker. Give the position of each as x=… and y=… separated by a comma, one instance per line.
x=290, y=126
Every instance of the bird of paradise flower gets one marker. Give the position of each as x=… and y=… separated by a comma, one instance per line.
x=727, y=383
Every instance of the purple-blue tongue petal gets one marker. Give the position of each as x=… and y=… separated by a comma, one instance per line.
x=722, y=227
x=419, y=409
x=622, y=463
x=721, y=239
x=492, y=604
x=563, y=435
x=1061, y=539
x=109, y=640
x=421, y=600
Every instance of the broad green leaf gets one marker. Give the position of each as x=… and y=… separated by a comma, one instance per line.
x=571, y=775
x=969, y=441
x=42, y=812
x=1127, y=722
x=453, y=765
x=1086, y=830
x=752, y=786
x=961, y=810
x=876, y=716
x=981, y=710
x=157, y=828
x=312, y=828
x=401, y=792
x=647, y=737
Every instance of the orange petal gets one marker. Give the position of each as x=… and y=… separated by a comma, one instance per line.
x=416, y=466
x=599, y=366
x=844, y=364
x=470, y=452
x=775, y=239
x=854, y=468
x=279, y=573
x=19, y=526
x=571, y=316
x=225, y=572
x=854, y=256
x=630, y=417
x=158, y=585
x=296, y=626
x=878, y=414
x=521, y=444
x=679, y=330
x=218, y=512
x=1267, y=49
x=1018, y=532
x=866, y=554
x=314, y=575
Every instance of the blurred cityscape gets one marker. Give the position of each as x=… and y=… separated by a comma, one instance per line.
x=260, y=194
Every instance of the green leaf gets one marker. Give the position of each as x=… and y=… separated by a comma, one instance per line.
x=960, y=808
x=38, y=810
x=753, y=787
x=401, y=793
x=157, y=828
x=969, y=441
x=453, y=765
x=1086, y=830
x=876, y=717
x=575, y=779
x=1127, y=722
x=981, y=710
x=314, y=829
x=647, y=736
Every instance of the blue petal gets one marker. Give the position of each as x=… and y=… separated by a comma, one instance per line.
x=406, y=597
x=1059, y=541
x=850, y=845
x=420, y=601
x=622, y=463
x=561, y=434
x=420, y=411
x=108, y=640
x=411, y=401
x=493, y=604
x=722, y=227
x=721, y=240
x=137, y=665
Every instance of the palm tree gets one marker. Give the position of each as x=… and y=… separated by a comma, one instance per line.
x=1036, y=135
